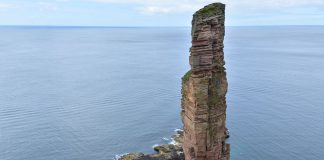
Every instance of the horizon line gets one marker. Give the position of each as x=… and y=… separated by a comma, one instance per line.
x=102, y=26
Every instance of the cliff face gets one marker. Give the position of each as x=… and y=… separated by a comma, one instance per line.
x=204, y=88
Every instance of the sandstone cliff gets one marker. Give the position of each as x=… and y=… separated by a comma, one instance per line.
x=204, y=88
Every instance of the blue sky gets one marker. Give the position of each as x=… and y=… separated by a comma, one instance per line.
x=157, y=12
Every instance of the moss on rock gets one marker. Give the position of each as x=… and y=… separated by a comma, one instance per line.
x=186, y=77
x=212, y=9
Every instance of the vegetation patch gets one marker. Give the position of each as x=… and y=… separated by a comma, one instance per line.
x=186, y=77
x=212, y=9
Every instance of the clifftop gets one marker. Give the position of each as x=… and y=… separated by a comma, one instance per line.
x=211, y=10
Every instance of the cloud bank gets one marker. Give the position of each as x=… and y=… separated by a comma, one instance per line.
x=166, y=12
x=172, y=6
x=6, y=6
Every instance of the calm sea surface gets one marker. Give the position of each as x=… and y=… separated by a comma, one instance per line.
x=93, y=93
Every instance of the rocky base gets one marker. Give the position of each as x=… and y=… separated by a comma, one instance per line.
x=164, y=152
x=172, y=151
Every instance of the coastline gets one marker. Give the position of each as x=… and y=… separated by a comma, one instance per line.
x=171, y=151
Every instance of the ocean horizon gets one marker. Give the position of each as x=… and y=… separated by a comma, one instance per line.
x=104, y=26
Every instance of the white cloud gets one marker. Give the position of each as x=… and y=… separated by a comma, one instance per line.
x=189, y=6
x=176, y=6
x=273, y=4
x=170, y=9
x=154, y=10
x=6, y=6
x=47, y=6
x=171, y=6
x=234, y=2
x=161, y=6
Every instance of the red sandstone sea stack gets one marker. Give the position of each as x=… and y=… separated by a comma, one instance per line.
x=204, y=88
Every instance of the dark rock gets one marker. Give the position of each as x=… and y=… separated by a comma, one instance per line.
x=164, y=152
x=167, y=148
x=227, y=133
x=178, y=137
x=132, y=156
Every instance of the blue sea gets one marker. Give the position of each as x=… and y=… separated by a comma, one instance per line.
x=80, y=93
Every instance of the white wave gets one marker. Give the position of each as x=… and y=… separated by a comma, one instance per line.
x=173, y=142
x=178, y=130
x=117, y=156
x=155, y=145
x=165, y=139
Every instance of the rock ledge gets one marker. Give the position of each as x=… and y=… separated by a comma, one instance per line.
x=164, y=152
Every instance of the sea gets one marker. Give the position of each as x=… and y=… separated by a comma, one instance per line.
x=80, y=93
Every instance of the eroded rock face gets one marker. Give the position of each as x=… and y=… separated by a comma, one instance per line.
x=204, y=88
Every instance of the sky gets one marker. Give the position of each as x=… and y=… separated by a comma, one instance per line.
x=157, y=12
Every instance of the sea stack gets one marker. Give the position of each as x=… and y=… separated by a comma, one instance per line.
x=204, y=88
